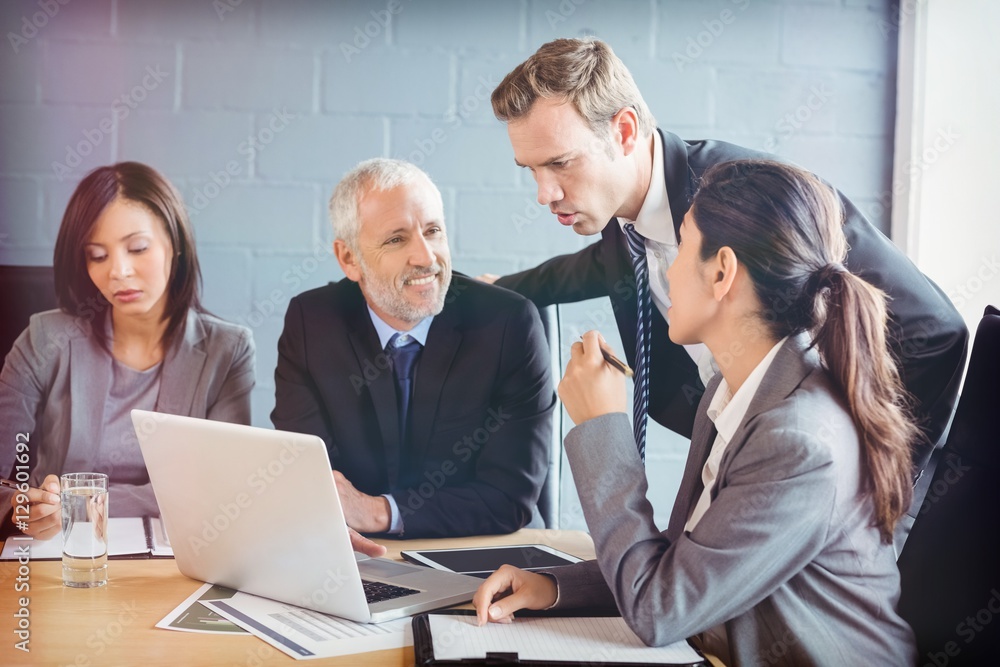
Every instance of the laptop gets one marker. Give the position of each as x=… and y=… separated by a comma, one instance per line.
x=256, y=510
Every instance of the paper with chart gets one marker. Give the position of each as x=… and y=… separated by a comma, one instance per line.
x=193, y=616
x=306, y=634
x=574, y=640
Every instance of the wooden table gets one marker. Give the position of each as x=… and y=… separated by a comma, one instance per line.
x=114, y=625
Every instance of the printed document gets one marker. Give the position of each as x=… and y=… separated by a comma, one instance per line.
x=306, y=634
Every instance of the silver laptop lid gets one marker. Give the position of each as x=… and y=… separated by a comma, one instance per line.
x=253, y=509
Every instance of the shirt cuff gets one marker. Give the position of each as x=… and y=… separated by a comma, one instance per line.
x=395, y=518
x=552, y=578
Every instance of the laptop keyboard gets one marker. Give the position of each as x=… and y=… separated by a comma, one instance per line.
x=376, y=591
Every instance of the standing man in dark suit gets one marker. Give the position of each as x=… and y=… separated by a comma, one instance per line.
x=432, y=392
x=576, y=119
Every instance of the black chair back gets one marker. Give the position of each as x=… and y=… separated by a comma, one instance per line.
x=950, y=564
x=548, y=501
x=26, y=290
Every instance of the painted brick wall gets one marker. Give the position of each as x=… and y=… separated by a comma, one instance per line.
x=255, y=108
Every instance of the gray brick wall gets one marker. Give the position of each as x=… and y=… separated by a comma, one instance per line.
x=255, y=108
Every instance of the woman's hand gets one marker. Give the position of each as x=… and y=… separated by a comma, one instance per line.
x=591, y=387
x=517, y=589
x=44, y=512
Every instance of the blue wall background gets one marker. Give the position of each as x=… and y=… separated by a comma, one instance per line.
x=255, y=108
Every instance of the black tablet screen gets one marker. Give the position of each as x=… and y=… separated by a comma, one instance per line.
x=487, y=560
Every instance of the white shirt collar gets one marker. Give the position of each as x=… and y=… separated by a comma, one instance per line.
x=727, y=409
x=385, y=332
x=655, y=207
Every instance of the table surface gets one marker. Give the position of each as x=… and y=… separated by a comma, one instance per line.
x=115, y=624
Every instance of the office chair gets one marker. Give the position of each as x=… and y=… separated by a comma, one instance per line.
x=26, y=290
x=548, y=501
x=950, y=564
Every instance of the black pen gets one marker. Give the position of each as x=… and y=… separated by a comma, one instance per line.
x=10, y=484
x=616, y=362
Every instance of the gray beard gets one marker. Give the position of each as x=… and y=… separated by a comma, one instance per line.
x=388, y=298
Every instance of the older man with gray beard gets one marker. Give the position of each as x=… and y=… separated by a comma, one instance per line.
x=432, y=391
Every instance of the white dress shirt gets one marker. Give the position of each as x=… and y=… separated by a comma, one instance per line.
x=727, y=411
x=655, y=223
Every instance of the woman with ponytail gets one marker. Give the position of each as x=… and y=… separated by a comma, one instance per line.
x=779, y=547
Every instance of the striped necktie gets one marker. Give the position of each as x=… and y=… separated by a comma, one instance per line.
x=640, y=390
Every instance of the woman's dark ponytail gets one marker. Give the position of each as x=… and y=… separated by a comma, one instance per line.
x=785, y=226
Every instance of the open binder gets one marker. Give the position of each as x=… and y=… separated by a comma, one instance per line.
x=128, y=538
x=452, y=638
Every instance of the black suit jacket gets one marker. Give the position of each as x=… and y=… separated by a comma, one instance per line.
x=928, y=336
x=481, y=411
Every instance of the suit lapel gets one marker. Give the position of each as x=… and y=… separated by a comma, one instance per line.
x=443, y=341
x=368, y=352
x=182, y=367
x=677, y=175
x=793, y=362
x=691, y=484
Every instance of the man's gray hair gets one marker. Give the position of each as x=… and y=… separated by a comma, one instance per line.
x=374, y=174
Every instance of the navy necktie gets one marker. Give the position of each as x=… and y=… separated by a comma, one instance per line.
x=404, y=357
x=640, y=390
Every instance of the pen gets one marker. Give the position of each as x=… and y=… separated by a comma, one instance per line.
x=615, y=362
x=10, y=484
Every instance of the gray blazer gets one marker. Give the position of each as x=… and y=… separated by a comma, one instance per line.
x=786, y=555
x=56, y=378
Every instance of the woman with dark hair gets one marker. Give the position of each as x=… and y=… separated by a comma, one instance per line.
x=130, y=333
x=779, y=547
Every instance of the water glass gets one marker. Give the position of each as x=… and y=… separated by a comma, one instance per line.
x=85, y=529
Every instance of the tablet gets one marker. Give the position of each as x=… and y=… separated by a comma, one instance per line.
x=482, y=561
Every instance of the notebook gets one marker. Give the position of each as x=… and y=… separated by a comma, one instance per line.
x=256, y=510
x=454, y=638
x=127, y=536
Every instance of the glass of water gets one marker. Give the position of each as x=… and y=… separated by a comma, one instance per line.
x=85, y=529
